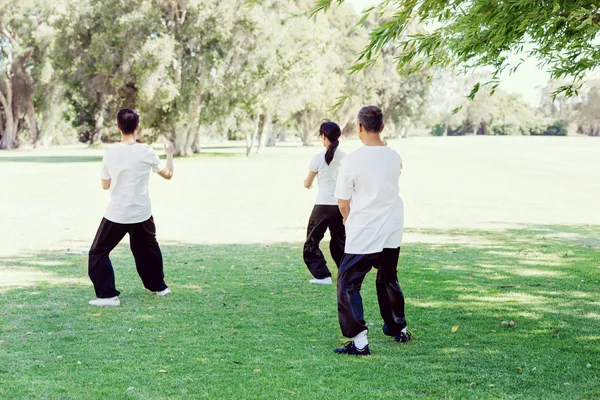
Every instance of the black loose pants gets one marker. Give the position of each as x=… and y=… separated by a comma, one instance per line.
x=352, y=272
x=324, y=217
x=145, y=249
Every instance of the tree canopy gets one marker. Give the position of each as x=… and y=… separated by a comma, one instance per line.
x=467, y=34
x=192, y=68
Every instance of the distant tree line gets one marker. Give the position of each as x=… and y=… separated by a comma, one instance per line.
x=192, y=68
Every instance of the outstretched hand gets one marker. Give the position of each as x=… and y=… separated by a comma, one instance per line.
x=169, y=149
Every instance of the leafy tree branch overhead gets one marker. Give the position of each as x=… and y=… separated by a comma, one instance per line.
x=467, y=34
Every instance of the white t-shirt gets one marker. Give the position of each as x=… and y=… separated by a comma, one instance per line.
x=369, y=179
x=128, y=167
x=326, y=176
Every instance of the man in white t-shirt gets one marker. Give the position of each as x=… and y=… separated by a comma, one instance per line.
x=368, y=196
x=126, y=169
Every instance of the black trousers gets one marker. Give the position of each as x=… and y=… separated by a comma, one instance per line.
x=145, y=249
x=352, y=272
x=322, y=218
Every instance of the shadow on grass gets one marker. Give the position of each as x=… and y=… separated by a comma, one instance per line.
x=50, y=159
x=244, y=323
x=97, y=159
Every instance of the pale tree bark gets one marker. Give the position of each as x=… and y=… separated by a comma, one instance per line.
x=11, y=112
x=50, y=117
x=265, y=133
x=186, y=135
x=99, y=121
x=251, y=137
x=282, y=133
x=33, y=126
x=196, y=145
x=403, y=132
x=307, y=130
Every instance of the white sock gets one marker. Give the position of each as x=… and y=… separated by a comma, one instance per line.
x=360, y=340
x=403, y=330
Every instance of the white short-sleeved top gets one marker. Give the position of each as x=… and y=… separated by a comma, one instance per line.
x=326, y=176
x=369, y=178
x=128, y=166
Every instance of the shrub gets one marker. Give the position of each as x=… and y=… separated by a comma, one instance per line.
x=438, y=130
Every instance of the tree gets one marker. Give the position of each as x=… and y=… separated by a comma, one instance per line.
x=469, y=34
x=95, y=56
x=587, y=113
x=25, y=37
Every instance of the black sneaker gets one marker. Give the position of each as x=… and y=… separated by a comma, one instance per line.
x=403, y=337
x=351, y=349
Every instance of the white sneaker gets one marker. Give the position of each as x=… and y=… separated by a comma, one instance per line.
x=163, y=292
x=108, y=302
x=324, y=281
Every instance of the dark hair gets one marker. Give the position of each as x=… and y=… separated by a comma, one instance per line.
x=331, y=131
x=371, y=118
x=127, y=120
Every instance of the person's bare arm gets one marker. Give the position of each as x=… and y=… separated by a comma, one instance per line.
x=167, y=172
x=105, y=184
x=344, y=206
x=310, y=178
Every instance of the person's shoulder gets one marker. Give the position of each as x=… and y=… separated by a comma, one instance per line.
x=392, y=151
x=112, y=149
x=320, y=156
x=145, y=149
x=348, y=157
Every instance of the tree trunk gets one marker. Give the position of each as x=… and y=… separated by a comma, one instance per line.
x=99, y=124
x=196, y=147
x=9, y=136
x=11, y=113
x=265, y=133
x=33, y=126
x=181, y=139
x=403, y=132
x=282, y=133
x=306, y=131
x=250, y=139
x=186, y=134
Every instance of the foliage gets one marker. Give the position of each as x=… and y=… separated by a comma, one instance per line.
x=192, y=69
x=438, y=130
x=556, y=129
x=469, y=34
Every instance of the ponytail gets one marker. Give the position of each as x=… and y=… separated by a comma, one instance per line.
x=332, y=132
x=331, y=151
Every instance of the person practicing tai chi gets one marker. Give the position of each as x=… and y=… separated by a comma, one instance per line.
x=326, y=213
x=368, y=196
x=126, y=171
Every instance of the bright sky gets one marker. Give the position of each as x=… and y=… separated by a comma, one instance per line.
x=527, y=81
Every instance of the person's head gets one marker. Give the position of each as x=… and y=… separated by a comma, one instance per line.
x=370, y=121
x=330, y=132
x=128, y=121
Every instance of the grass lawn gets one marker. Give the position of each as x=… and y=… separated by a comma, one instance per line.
x=243, y=323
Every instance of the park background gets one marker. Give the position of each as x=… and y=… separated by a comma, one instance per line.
x=501, y=258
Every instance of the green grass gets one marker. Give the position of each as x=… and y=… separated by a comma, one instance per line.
x=243, y=323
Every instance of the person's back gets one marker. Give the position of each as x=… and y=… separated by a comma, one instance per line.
x=129, y=167
x=376, y=219
x=369, y=199
x=327, y=176
x=125, y=172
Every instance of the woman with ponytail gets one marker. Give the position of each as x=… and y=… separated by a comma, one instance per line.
x=326, y=214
